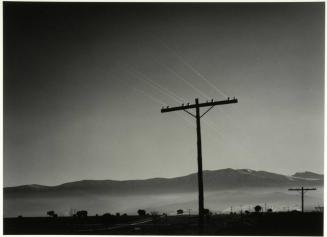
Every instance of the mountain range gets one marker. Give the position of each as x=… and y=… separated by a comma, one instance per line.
x=224, y=179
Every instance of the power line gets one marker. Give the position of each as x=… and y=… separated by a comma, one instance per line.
x=157, y=85
x=187, y=82
x=159, y=88
x=206, y=122
x=192, y=68
x=180, y=77
x=150, y=96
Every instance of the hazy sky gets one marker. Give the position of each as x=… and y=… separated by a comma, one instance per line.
x=84, y=85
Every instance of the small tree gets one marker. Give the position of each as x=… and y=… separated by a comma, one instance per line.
x=141, y=212
x=270, y=210
x=81, y=213
x=51, y=213
x=257, y=208
x=207, y=212
x=180, y=212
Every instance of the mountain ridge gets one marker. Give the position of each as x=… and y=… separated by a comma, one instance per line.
x=305, y=174
x=308, y=174
x=213, y=180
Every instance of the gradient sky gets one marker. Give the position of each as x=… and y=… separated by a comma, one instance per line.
x=84, y=85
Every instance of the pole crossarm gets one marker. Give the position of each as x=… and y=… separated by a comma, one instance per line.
x=192, y=106
x=299, y=189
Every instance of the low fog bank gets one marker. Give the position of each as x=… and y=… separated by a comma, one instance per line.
x=279, y=199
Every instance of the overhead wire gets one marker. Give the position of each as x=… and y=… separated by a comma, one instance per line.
x=179, y=99
x=151, y=97
x=186, y=81
x=191, y=67
x=180, y=77
x=164, y=92
x=200, y=75
x=212, y=125
x=170, y=93
x=194, y=71
x=203, y=94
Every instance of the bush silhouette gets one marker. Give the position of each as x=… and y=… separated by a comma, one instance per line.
x=180, y=212
x=207, y=212
x=106, y=215
x=257, y=208
x=52, y=214
x=81, y=213
x=141, y=212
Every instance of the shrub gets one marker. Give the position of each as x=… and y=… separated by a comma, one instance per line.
x=257, y=208
x=141, y=212
x=180, y=212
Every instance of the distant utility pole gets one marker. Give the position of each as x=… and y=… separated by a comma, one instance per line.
x=197, y=116
x=302, y=190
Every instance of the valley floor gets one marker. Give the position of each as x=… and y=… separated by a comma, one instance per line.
x=282, y=223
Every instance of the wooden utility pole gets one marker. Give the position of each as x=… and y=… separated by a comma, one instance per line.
x=197, y=116
x=302, y=190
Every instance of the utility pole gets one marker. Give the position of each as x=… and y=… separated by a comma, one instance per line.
x=189, y=216
x=197, y=116
x=302, y=190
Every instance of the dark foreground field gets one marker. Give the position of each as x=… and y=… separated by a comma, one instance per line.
x=286, y=223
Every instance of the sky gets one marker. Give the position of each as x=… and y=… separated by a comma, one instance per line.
x=84, y=84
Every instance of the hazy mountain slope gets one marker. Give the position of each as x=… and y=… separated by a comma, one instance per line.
x=213, y=180
x=308, y=175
